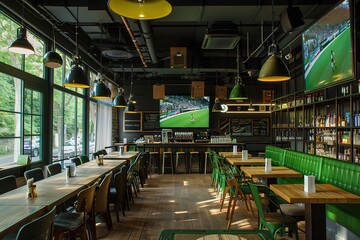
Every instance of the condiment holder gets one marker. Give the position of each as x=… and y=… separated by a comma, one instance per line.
x=268, y=167
x=31, y=193
x=100, y=160
x=71, y=170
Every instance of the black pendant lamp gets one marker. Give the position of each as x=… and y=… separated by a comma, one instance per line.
x=101, y=91
x=131, y=108
x=238, y=92
x=21, y=44
x=76, y=77
x=217, y=106
x=119, y=101
x=52, y=59
x=274, y=69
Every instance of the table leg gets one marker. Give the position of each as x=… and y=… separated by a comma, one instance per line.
x=315, y=221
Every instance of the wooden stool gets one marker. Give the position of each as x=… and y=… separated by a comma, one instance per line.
x=180, y=155
x=153, y=158
x=193, y=155
x=167, y=154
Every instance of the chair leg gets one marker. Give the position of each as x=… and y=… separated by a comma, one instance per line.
x=232, y=211
x=223, y=197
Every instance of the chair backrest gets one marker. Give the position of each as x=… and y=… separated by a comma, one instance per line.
x=102, y=194
x=86, y=199
x=76, y=160
x=7, y=183
x=38, y=229
x=256, y=197
x=120, y=182
x=102, y=151
x=84, y=159
x=54, y=169
x=36, y=173
x=135, y=162
x=95, y=154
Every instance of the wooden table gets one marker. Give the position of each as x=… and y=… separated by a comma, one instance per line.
x=249, y=162
x=277, y=171
x=51, y=191
x=124, y=156
x=315, y=220
x=233, y=155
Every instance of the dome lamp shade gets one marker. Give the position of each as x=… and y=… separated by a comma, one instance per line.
x=21, y=44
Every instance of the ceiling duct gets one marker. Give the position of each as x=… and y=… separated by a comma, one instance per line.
x=221, y=35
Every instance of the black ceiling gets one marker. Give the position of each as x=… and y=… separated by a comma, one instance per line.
x=104, y=31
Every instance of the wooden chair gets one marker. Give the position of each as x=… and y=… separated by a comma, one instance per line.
x=54, y=169
x=36, y=173
x=102, y=202
x=38, y=229
x=118, y=195
x=7, y=184
x=75, y=222
x=275, y=222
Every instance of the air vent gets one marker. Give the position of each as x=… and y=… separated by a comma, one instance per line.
x=221, y=35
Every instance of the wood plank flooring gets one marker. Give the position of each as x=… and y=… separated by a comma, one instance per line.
x=175, y=201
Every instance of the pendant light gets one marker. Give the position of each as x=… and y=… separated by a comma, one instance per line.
x=119, y=101
x=76, y=77
x=21, y=44
x=238, y=92
x=274, y=69
x=131, y=108
x=141, y=9
x=101, y=91
x=52, y=59
x=251, y=107
x=217, y=106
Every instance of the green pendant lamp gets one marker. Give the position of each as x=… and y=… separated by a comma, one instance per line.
x=274, y=69
x=76, y=77
x=238, y=92
x=52, y=59
x=101, y=91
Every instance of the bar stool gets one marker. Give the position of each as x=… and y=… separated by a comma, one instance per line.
x=154, y=158
x=178, y=156
x=169, y=155
x=193, y=155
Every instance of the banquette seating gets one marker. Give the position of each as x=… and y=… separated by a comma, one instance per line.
x=345, y=175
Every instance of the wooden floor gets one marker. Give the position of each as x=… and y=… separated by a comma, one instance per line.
x=182, y=201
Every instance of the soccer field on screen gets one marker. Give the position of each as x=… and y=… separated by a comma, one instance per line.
x=321, y=73
x=183, y=120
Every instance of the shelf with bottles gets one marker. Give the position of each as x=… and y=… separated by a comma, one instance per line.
x=325, y=150
x=326, y=136
x=344, y=153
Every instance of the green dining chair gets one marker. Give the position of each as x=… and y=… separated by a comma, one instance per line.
x=275, y=222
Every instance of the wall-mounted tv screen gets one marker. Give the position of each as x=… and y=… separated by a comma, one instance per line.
x=327, y=49
x=178, y=111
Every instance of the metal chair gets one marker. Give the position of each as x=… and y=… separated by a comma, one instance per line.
x=38, y=229
x=36, y=173
x=76, y=160
x=54, y=169
x=84, y=159
x=118, y=193
x=7, y=183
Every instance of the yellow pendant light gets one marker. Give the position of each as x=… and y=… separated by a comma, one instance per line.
x=141, y=9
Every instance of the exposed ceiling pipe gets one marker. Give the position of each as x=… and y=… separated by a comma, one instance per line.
x=134, y=40
x=147, y=33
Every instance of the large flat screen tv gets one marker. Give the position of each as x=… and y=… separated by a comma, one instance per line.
x=177, y=111
x=327, y=49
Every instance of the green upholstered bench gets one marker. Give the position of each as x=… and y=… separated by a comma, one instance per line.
x=276, y=154
x=345, y=175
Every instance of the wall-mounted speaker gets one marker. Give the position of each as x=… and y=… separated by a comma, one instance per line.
x=178, y=57
x=221, y=92
x=158, y=91
x=291, y=18
x=197, y=89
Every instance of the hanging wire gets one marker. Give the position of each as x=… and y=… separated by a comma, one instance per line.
x=76, y=28
x=22, y=13
x=273, y=20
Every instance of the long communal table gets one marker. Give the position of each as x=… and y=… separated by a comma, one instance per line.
x=251, y=161
x=16, y=209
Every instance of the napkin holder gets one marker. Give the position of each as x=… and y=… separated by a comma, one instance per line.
x=121, y=150
x=244, y=154
x=234, y=149
x=71, y=170
x=268, y=167
x=309, y=184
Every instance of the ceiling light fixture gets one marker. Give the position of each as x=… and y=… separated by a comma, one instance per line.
x=251, y=107
x=76, y=77
x=101, y=91
x=274, y=69
x=217, y=106
x=52, y=59
x=238, y=92
x=21, y=44
x=141, y=9
x=119, y=101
